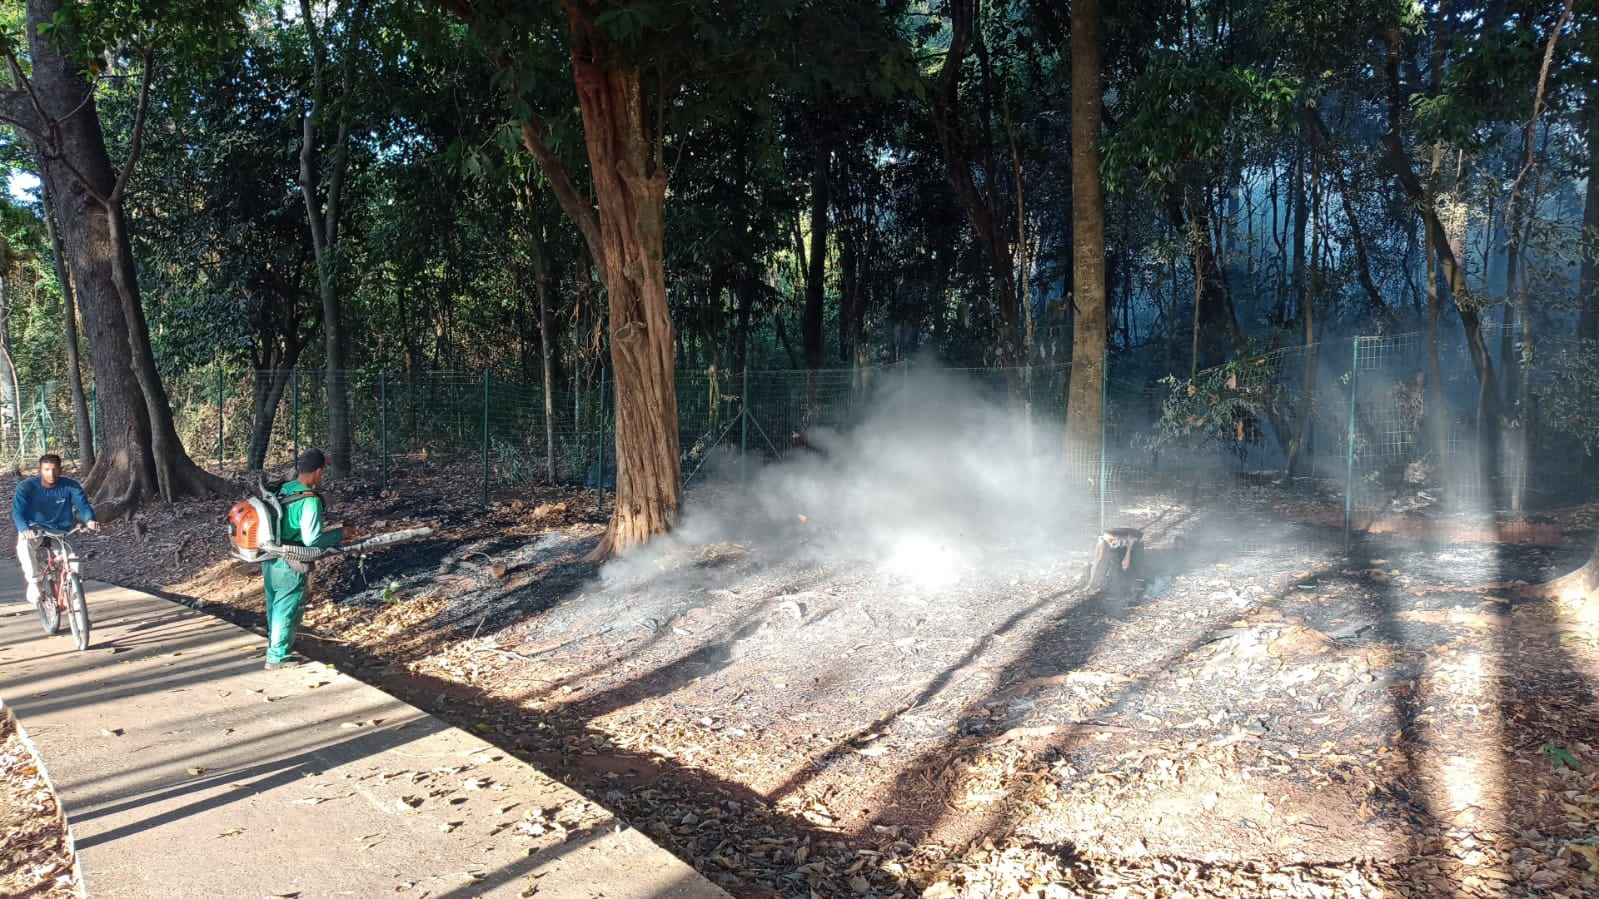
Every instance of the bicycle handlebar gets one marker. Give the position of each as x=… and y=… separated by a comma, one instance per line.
x=46, y=532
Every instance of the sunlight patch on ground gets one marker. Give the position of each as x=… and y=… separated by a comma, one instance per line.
x=1464, y=778
x=926, y=562
x=1578, y=615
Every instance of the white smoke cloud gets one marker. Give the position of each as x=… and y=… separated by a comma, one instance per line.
x=937, y=484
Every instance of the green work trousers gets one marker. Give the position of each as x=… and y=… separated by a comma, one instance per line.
x=285, y=596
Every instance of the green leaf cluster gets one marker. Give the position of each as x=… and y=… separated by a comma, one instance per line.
x=1221, y=407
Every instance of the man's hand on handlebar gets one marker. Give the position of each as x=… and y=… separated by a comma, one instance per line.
x=38, y=532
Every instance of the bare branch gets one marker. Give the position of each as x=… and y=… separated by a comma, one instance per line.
x=136, y=147
x=1511, y=212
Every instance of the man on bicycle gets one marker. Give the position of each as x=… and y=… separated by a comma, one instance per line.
x=48, y=502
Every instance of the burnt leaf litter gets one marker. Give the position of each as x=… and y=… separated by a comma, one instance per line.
x=1258, y=714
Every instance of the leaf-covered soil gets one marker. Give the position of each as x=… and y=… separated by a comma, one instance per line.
x=1261, y=715
x=35, y=858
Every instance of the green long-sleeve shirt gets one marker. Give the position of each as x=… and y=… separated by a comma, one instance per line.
x=303, y=520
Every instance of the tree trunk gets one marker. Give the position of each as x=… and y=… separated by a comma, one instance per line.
x=141, y=455
x=1588, y=290
x=540, y=256
x=266, y=392
x=1085, y=396
x=1449, y=265
x=323, y=192
x=980, y=208
x=1580, y=586
x=1311, y=296
x=625, y=237
x=69, y=305
x=852, y=298
x=279, y=334
x=10, y=391
x=1216, y=327
x=816, y=269
x=1521, y=211
x=630, y=186
x=1437, y=417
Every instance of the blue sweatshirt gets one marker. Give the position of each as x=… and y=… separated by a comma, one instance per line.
x=51, y=508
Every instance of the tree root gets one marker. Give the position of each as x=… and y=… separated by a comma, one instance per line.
x=119, y=490
x=1580, y=586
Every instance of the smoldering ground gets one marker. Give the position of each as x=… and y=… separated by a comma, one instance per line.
x=936, y=485
x=941, y=515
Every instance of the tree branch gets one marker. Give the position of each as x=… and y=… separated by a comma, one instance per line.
x=576, y=205
x=341, y=153
x=137, y=145
x=1511, y=212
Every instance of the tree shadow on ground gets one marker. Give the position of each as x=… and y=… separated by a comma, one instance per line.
x=1071, y=648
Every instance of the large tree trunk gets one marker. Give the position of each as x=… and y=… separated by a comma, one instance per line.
x=632, y=195
x=1084, y=404
x=625, y=237
x=69, y=305
x=630, y=185
x=141, y=455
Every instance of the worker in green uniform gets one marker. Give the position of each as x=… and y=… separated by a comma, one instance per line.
x=285, y=581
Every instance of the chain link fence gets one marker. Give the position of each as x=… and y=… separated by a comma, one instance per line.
x=39, y=420
x=1374, y=421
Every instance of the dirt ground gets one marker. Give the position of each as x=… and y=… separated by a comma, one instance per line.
x=1260, y=715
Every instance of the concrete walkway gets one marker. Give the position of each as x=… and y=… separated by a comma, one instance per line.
x=185, y=769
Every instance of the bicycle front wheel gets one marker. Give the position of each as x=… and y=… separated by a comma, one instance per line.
x=50, y=608
x=77, y=611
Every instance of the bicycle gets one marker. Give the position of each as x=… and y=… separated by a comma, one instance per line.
x=63, y=587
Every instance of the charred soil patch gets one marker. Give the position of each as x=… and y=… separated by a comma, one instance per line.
x=1263, y=716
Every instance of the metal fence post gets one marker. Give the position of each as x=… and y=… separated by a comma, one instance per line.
x=1349, y=448
x=219, y=413
x=44, y=422
x=744, y=420
x=485, y=437
x=383, y=425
